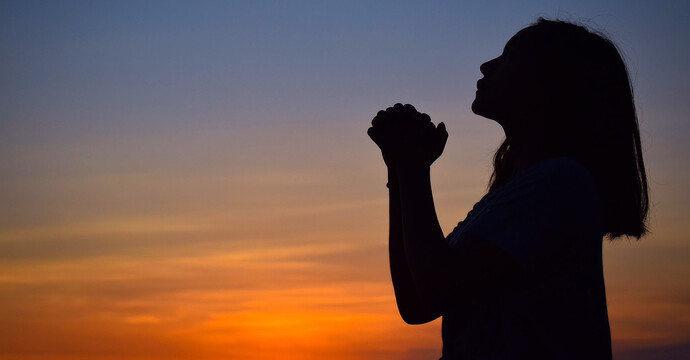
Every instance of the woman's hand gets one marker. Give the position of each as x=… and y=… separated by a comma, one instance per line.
x=407, y=136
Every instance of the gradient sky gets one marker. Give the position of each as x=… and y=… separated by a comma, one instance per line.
x=193, y=180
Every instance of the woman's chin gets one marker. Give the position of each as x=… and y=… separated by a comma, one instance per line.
x=480, y=109
x=477, y=107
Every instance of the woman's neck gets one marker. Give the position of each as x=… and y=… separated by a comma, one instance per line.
x=528, y=149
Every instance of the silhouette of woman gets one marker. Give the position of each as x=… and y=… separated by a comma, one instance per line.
x=521, y=277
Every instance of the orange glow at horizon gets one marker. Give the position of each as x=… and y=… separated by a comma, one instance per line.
x=270, y=304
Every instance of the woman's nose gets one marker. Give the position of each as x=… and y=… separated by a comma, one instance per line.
x=486, y=67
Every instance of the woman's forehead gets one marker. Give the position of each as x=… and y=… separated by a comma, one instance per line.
x=524, y=38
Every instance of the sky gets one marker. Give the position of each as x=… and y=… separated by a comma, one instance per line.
x=193, y=180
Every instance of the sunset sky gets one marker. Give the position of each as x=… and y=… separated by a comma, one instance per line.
x=193, y=180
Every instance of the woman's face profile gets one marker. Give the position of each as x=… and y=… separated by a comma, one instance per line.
x=510, y=89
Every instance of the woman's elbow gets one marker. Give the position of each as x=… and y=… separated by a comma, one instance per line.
x=418, y=320
x=418, y=316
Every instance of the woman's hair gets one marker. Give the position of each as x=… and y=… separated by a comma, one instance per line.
x=592, y=120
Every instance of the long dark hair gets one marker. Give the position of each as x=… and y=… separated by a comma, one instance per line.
x=591, y=97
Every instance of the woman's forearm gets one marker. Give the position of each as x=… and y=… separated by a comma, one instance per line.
x=426, y=251
x=406, y=294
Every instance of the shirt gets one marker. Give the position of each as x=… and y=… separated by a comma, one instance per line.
x=549, y=219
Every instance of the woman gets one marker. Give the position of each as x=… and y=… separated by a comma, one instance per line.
x=521, y=277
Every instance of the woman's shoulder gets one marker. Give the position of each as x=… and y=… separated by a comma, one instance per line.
x=568, y=170
x=560, y=169
x=562, y=177
x=561, y=165
x=569, y=181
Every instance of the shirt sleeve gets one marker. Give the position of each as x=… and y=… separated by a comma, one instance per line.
x=539, y=214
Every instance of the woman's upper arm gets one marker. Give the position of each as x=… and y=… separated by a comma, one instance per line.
x=472, y=269
x=479, y=268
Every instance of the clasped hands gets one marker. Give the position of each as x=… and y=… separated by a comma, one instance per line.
x=407, y=137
